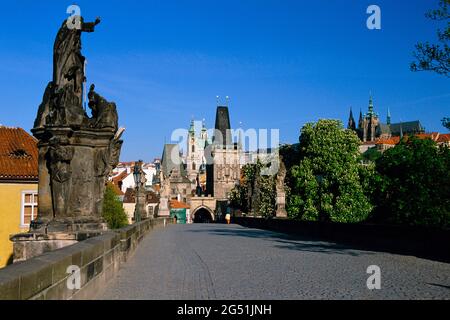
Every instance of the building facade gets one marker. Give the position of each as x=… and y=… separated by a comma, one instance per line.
x=18, y=186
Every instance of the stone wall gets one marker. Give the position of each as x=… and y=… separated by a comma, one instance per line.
x=45, y=277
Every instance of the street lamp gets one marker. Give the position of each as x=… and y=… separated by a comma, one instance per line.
x=137, y=180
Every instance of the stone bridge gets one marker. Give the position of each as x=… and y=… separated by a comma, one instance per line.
x=218, y=261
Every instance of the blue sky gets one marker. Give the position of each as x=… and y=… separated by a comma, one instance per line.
x=283, y=63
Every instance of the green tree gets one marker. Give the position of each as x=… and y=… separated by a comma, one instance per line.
x=435, y=57
x=267, y=196
x=415, y=187
x=113, y=211
x=446, y=123
x=252, y=182
x=372, y=154
x=327, y=183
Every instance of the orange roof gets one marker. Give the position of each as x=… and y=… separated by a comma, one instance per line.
x=433, y=136
x=120, y=177
x=18, y=155
x=390, y=141
x=174, y=204
x=444, y=137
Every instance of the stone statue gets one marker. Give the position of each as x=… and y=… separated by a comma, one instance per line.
x=76, y=153
x=281, y=193
x=104, y=113
x=59, y=158
x=68, y=62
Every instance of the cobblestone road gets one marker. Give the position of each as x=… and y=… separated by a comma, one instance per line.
x=215, y=261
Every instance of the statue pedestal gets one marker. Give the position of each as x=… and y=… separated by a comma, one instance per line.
x=74, y=164
x=32, y=244
x=281, y=205
x=163, y=210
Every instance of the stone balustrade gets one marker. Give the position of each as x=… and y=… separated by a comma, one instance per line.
x=46, y=277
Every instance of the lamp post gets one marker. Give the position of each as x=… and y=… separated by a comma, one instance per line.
x=137, y=180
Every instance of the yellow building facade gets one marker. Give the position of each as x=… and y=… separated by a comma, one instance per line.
x=18, y=186
x=18, y=204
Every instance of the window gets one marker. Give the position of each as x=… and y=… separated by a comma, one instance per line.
x=193, y=148
x=29, y=207
x=193, y=166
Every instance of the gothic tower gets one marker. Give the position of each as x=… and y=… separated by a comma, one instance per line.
x=370, y=123
x=351, y=121
x=224, y=171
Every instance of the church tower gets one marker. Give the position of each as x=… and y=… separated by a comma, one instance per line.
x=195, y=156
x=351, y=121
x=224, y=172
x=370, y=123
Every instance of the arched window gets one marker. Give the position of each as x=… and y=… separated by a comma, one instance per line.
x=193, y=165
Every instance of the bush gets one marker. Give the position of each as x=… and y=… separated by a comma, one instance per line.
x=113, y=211
x=415, y=187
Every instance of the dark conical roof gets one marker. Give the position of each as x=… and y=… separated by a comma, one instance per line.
x=222, y=126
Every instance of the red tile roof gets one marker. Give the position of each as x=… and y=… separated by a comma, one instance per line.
x=174, y=204
x=120, y=177
x=389, y=141
x=18, y=155
x=443, y=137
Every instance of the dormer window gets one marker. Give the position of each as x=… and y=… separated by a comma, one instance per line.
x=19, y=153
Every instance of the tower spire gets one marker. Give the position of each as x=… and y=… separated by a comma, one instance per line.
x=370, y=113
x=351, y=121
x=191, y=128
x=388, y=120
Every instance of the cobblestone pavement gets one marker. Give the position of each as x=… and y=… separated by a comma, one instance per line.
x=215, y=261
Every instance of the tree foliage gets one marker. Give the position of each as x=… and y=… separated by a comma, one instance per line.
x=256, y=193
x=415, y=188
x=435, y=57
x=327, y=182
x=446, y=123
x=113, y=211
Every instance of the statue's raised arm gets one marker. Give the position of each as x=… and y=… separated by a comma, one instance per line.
x=90, y=26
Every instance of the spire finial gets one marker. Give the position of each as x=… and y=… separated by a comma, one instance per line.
x=388, y=120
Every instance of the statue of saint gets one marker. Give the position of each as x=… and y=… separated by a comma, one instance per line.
x=68, y=62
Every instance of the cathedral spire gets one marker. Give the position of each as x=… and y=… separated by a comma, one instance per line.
x=351, y=121
x=370, y=113
x=388, y=120
x=360, y=121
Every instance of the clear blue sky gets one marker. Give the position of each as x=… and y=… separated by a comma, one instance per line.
x=283, y=63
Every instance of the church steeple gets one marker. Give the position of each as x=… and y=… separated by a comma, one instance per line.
x=192, y=129
x=370, y=112
x=360, y=121
x=388, y=119
x=351, y=121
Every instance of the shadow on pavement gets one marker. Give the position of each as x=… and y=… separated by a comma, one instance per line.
x=284, y=241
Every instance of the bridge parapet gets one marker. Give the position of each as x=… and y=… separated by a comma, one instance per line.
x=95, y=261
